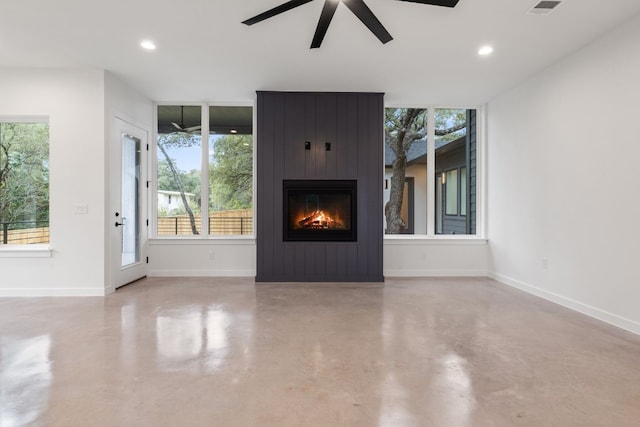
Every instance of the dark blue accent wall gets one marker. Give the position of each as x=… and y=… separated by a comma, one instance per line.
x=353, y=124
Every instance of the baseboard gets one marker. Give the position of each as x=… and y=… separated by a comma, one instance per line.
x=54, y=292
x=202, y=273
x=435, y=273
x=610, y=318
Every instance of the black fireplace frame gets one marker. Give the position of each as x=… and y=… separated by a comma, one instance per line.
x=320, y=186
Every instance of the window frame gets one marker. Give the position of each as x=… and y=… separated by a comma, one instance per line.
x=462, y=191
x=431, y=181
x=204, y=172
x=452, y=190
x=36, y=250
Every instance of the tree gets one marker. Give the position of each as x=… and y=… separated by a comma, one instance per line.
x=190, y=182
x=165, y=179
x=231, y=173
x=177, y=140
x=24, y=172
x=450, y=123
x=403, y=127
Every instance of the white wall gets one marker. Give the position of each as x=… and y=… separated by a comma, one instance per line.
x=404, y=256
x=78, y=103
x=127, y=103
x=563, y=182
x=74, y=102
x=409, y=256
x=201, y=257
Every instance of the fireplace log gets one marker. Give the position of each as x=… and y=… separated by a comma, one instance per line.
x=316, y=220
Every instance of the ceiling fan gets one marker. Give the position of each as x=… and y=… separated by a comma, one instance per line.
x=180, y=127
x=358, y=7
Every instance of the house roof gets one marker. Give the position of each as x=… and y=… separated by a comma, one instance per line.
x=418, y=151
x=204, y=52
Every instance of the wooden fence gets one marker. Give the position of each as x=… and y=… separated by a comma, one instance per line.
x=229, y=223
x=236, y=222
x=22, y=236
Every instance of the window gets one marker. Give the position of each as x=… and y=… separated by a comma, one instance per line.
x=224, y=181
x=230, y=170
x=455, y=155
x=436, y=148
x=24, y=182
x=405, y=197
x=179, y=170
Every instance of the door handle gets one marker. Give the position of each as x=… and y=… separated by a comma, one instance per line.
x=124, y=221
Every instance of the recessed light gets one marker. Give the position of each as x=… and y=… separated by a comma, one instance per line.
x=485, y=50
x=148, y=45
x=233, y=131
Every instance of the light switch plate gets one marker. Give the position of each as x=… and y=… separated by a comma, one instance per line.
x=82, y=208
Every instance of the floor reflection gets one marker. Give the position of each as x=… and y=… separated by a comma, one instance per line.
x=129, y=332
x=394, y=408
x=428, y=383
x=192, y=338
x=453, y=391
x=317, y=351
x=25, y=379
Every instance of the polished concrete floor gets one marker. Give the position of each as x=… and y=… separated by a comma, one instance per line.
x=226, y=352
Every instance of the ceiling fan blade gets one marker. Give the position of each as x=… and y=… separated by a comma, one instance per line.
x=445, y=3
x=193, y=128
x=328, y=10
x=275, y=11
x=362, y=11
x=177, y=126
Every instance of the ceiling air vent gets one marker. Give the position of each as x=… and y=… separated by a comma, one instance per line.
x=544, y=7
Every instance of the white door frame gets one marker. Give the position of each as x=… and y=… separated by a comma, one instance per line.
x=120, y=275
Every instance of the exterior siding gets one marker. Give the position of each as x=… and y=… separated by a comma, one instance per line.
x=472, y=168
x=452, y=224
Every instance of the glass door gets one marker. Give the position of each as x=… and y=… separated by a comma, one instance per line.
x=128, y=200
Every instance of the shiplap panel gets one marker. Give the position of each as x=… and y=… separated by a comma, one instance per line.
x=352, y=123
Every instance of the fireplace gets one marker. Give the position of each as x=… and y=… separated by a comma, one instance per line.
x=320, y=210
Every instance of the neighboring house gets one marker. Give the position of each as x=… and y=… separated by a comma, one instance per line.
x=455, y=197
x=171, y=201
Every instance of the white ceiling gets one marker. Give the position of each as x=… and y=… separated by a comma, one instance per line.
x=205, y=53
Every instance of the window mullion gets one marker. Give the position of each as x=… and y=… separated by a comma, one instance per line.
x=204, y=172
x=431, y=167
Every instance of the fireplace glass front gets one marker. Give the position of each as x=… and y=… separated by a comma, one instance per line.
x=320, y=210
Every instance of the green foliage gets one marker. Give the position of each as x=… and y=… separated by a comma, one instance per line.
x=179, y=139
x=414, y=121
x=191, y=183
x=449, y=117
x=448, y=120
x=165, y=178
x=190, y=180
x=231, y=173
x=24, y=172
x=396, y=119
